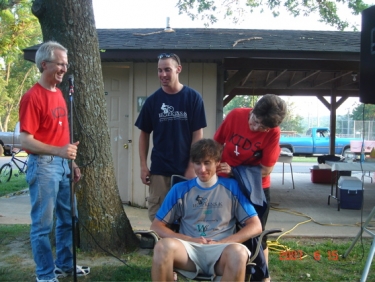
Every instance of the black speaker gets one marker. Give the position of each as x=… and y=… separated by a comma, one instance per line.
x=367, y=66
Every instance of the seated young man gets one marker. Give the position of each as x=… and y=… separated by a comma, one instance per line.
x=207, y=208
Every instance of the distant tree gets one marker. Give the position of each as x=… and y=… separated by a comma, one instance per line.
x=209, y=10
x=18, y=30
x=240, y=101
x=9, y=4
x=292, y=122
x=363, y=112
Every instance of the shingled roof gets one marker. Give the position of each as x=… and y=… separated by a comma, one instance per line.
x=196, y=44
x=229, y=39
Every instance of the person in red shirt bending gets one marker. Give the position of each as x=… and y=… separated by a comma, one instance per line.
x=251, y=137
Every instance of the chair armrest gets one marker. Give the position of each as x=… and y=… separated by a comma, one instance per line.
x=147, y=234
x=264, y=233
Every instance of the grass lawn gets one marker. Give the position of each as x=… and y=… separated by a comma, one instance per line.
x=15, y=185
x=309, y=259
x=297, y=259
x=305, y=159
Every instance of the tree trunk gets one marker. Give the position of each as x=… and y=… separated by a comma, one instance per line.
x=71, y=23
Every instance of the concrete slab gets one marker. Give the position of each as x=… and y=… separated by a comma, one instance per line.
x=304, y=211
x=15, y=209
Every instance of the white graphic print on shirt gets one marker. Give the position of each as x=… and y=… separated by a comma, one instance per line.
x=170, y=114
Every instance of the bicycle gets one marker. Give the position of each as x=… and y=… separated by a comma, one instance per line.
x=7, y=169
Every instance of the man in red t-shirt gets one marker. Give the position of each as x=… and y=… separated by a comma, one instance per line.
x=45, y=136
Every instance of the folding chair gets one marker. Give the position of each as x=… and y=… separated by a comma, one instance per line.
x=150, y=238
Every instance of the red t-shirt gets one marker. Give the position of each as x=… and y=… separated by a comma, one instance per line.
x=240, y=143
x=43, y=113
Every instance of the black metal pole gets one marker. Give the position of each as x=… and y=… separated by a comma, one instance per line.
x=72, y=192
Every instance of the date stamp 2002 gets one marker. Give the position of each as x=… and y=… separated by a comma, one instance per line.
x=298, y=255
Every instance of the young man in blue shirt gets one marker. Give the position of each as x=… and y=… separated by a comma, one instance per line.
x=207, y=208
x=175, y=116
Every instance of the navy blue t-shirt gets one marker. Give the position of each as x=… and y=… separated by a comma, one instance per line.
x=172, y=118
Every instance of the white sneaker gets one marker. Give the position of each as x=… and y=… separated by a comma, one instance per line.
x=81, y=271
x=51, y=280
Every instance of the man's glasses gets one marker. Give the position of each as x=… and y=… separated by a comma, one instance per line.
x=258, y=124
x=170, y=55
x=61, y=65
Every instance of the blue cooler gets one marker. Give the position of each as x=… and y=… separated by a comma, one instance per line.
x=351, y=193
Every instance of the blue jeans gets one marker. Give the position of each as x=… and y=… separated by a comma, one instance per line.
x=49, y=187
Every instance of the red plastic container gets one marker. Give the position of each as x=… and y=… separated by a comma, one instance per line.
x=323, y=176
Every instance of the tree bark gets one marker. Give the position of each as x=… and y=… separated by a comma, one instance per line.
x=72, y=24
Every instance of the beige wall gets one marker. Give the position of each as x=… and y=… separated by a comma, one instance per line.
x=143, y=81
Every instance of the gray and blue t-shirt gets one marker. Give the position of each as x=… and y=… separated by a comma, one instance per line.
x=209, y=212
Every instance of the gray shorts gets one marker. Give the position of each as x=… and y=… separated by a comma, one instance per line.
x=204, y=257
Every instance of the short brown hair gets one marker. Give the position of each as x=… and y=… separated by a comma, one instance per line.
x=270, y=110
x=206, y=148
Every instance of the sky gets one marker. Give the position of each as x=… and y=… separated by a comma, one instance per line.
x=153, y=14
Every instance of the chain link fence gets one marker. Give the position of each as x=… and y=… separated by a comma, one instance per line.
x=356, y=129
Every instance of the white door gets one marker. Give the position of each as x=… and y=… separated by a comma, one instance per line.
x=116, y=90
